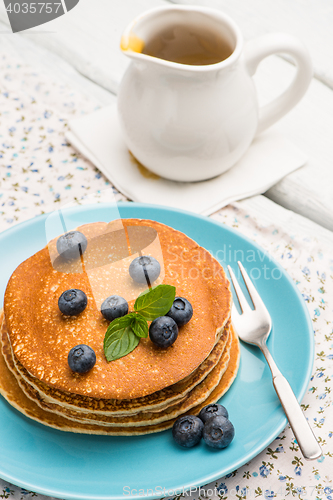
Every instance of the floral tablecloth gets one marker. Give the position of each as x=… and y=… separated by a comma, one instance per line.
x=40, y=171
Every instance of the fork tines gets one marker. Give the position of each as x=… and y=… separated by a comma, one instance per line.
x=255, y=297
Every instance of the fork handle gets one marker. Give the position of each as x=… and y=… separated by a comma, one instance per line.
x=304, y=435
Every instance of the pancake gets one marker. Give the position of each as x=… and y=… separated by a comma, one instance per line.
x=193, y=398
x=11, y=391
x=41, y=337
x=146, y=390
x=154, y=402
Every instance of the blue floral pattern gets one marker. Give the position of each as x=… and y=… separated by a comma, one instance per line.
x=40, y=171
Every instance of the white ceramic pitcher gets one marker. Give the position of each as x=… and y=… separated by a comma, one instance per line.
x=192, y=122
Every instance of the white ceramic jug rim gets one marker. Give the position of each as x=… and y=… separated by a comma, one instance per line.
x=214, y=13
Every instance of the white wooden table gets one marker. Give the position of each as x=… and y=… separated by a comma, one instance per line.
x=82, y=48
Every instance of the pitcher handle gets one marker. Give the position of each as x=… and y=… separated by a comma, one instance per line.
x=277, y=43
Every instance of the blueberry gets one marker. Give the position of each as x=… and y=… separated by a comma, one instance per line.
x=213, y=410
x=72, y=302
x=218, y=432
x=114, y=307
x=163, y=331
x=144, y=269
x=187, y=431
x=181, y=311
x=69, y=244
x=81, y=358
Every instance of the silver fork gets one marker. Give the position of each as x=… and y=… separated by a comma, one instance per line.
x=253, y=327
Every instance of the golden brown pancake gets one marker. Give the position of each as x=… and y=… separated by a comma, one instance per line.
x=11, y=391
x=193, y=398
x=149, y=388
x=41, y=336
x=154, y=402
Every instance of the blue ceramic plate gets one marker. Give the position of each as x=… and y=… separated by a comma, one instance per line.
x=75, y=466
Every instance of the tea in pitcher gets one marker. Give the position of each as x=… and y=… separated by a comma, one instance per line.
x=188, y=45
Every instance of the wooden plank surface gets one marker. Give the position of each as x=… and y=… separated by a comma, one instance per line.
x=88, y=38
x=309, y=190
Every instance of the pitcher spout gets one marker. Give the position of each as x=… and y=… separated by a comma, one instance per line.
x=131, y=44
x=137, y=33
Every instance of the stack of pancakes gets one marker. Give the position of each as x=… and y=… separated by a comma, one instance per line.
x=144, y=391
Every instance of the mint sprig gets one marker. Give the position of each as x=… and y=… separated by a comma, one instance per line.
x=119, y=339
x=123, y=334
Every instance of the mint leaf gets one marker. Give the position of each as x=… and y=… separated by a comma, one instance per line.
x=119, y=323
x=123, y=334
x=157, y=302
x=120, y=338
x=140, y=326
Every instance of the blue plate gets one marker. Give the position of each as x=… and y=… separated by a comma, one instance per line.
x=75, y=466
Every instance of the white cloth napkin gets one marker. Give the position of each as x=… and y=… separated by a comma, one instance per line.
x=98, y=137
